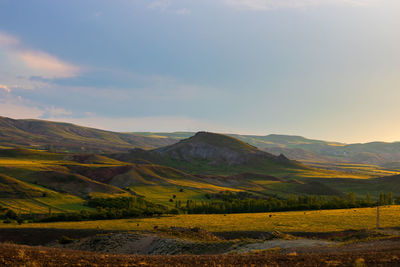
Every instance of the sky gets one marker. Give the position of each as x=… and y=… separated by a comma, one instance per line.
x=323, y=69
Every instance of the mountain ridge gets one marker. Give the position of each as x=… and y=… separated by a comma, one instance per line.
x=70, y=137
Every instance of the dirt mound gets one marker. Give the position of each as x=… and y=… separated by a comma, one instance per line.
x=144, y=244
x=282, y=244
x=194, y=233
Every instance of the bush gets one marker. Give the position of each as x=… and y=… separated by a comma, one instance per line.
x=174, y=211
x=65, y=240
x=10, y=214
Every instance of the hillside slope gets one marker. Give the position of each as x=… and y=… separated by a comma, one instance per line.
x=70, y=137
x=13, y=188
x=210, y=153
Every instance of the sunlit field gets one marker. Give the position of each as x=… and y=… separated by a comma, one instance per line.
x=297, y=221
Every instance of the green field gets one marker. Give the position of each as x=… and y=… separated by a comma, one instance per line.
x=39, y=180
x=296, y=221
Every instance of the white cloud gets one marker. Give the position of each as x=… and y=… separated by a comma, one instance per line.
x=279, y=4
x=18, y=108
x=8, y=40
x=23, y=61
x=162, y=5
x=183, y=11
x=165, y=6
x=5, y=88
x=48, y=66
x=55, y=112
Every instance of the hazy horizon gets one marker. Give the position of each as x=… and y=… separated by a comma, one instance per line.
x=326, y=70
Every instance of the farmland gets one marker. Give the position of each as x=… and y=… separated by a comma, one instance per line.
x=295, y=221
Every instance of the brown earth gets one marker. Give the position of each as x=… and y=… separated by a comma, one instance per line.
x=19, y=255
x=106, y=248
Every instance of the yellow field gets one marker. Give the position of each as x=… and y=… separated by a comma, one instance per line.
x=297, y=221
x=57, y=203
x=319, y=173
x=353, y=170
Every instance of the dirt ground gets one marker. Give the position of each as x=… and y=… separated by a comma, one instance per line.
x=194, y=247
x=20, y=255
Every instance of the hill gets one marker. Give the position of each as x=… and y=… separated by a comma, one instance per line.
x=41, y=134
x=310, y=150
x=70, y=137
x=13, y=188
x=203, y=164
x=211, y=153
x=213, y=147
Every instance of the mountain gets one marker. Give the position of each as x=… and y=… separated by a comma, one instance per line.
x=310, y=150
x=272, y=140
x=215, y=148
x=70, y=137
x=211, y=153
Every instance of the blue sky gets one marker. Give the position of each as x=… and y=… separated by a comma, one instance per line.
x=326, y=69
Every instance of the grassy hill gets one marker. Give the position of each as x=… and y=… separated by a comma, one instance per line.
x=306, y=150
x=13, y=188
x=226, y=161
x=210, y=153
x=36, y=180
x=70, y=137
x=73, y=138
x=62, y=181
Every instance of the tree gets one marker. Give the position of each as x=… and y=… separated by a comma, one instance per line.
x=10, y=214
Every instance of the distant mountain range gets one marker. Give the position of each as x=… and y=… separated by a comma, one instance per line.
x=309, y=150
x=72, y=138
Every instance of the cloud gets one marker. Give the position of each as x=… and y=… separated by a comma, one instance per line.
x=5, y=87
x=25, y=61
x=53, y=112
x=47, y=65
x=279, y=4
x=7, y=40
x=183, y=11
x=165, y=6
x=18, y=108
x=162, y=5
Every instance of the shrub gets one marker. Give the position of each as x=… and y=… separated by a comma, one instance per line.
x=174, y=211
x=65, y=240
x=10, y=214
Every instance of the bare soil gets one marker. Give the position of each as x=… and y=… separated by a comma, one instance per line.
x=101, y=248
x=20, y=255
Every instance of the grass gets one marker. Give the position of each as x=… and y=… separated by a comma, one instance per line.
x=159, y=184
x=162, y=194
x=359, y=170
x=297, y=221
x=57, y=202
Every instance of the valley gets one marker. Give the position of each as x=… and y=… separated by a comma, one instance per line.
x=202, y=193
